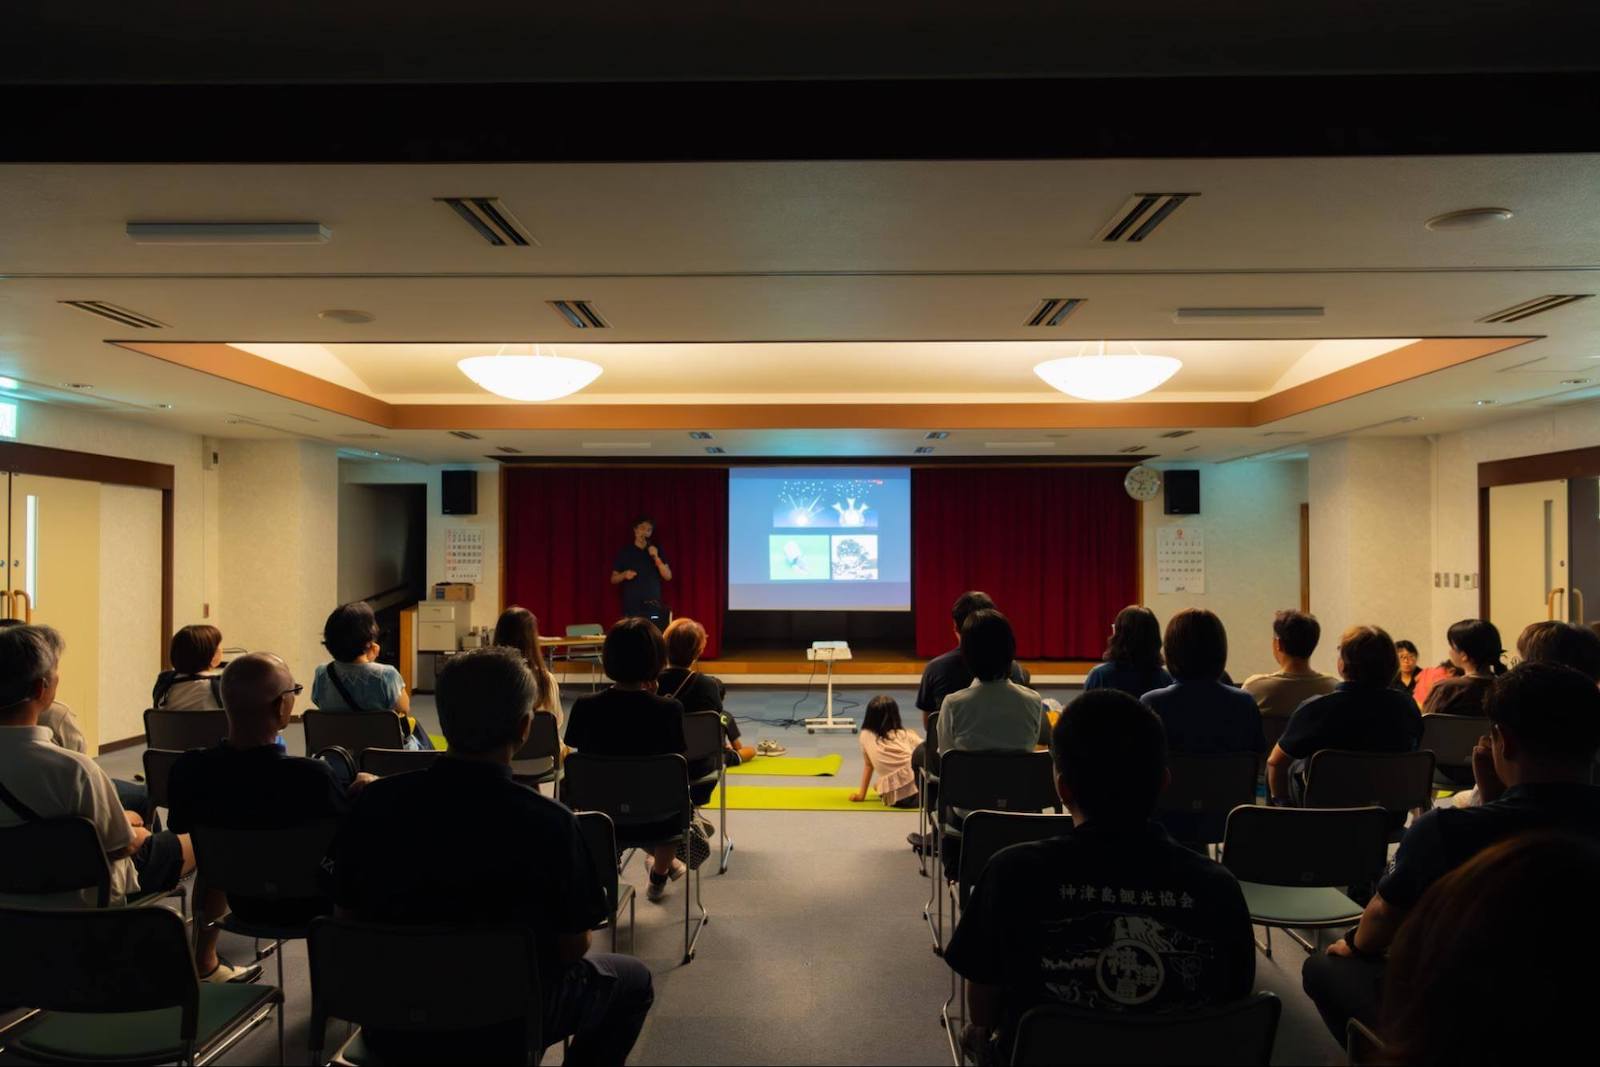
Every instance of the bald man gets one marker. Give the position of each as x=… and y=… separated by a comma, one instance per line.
x=248, y=782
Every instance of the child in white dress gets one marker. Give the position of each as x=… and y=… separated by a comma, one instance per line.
x=886, y=748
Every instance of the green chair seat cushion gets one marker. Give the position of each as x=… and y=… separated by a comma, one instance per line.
x=1287, y=905
x=138, y=1036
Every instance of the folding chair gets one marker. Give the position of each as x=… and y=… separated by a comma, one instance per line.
x=1204, y=789
x=983, y=834
x=641, y=794
x=1295, y=863
x=705, y=736
x=1451, y=739
x=118, y=985
x=64, y=855
x=158, y=763
x=601, y=838
x=421, y=979
x=179, y=731
x=987, y=781
x=1239, y=1033
x=1398, y=782
x=587, y=654
x=539, y=759
x=353, y=731
x=281, y=865
x=927, y=789
x=1361, y=1044
x=386, y=761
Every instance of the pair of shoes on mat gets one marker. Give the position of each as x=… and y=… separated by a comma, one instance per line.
x=658, y=882
x=769, y=748
x=226, y=972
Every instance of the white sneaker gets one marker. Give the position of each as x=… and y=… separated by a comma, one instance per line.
x=227, y=972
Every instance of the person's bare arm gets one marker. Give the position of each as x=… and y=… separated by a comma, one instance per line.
x=570, y=948
x=1483, y=773
x=140, y=836
x=402, y=703
x=1375, y=933
x=866, y=778
x=661, y=564
x=618, y=577
x=1278, y=773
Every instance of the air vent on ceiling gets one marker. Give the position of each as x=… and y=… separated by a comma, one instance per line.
x=465, y=436
x=580, y=314
x=1170, y=434
x=1537, y=306
x=491, y=220
x=1132, y=449
x=1282, y=433
x=1055, y=310
x=923, y=450
x=715, y=450
x=699, y=435
x=508, y=450
x=116, y=314
x=1139, y=217
x=936, y=435
x=1246, y=314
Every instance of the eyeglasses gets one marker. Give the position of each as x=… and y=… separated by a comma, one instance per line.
x=296, y=690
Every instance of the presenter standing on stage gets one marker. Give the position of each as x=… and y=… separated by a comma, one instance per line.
x=640, y=569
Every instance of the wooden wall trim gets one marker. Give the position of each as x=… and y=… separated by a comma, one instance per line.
x=1545, y=467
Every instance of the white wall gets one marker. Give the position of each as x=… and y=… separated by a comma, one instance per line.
x=486, y=606
x=374, y=538
x=130, y=606
x=1250, y=515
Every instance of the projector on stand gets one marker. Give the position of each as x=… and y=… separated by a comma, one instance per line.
x=829, y=651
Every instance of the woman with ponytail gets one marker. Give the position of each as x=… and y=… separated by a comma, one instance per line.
x=1475, y=649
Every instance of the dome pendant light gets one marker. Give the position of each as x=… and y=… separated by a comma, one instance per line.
x=1103, y=377
x=530, y=378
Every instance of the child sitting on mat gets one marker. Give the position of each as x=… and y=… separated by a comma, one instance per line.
x=886, y=748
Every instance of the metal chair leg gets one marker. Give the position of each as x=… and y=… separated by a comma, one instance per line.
x=722, y=804
x=689, y=942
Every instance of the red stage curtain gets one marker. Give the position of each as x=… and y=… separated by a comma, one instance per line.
x=564, y=527
x=1057, y=548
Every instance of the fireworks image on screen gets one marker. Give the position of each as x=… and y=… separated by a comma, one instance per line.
x=826, y=502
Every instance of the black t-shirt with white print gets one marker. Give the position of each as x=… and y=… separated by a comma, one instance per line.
x=1109, y=918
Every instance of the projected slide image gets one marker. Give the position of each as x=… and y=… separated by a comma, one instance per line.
x=855, y=557
x=803, y=502
x=797, y=557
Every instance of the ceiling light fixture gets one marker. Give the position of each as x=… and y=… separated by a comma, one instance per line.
x=1564, y=381
x=228, y=233
x=532, y=377
x=1482, y=403
x=1471, y=218
x=1103, y=377
x=8, y=383
x=348, y=316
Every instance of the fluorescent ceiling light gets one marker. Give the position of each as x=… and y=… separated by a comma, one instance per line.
x=8, y=383
x=529, y=378
x=1107, y=377
x=228, y=233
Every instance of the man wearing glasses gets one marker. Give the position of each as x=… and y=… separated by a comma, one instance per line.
x=248, y=781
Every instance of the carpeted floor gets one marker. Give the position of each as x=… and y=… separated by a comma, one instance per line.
x=816, y=952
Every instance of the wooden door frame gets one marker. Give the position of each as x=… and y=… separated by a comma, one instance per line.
x=1544, y=467
x=45, y=462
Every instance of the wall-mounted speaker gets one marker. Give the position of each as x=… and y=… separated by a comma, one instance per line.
x=1182, y=494
x=458, y=492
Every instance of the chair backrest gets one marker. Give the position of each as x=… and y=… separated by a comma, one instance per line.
x=586, y=629
x=987, y=832
x=998, y=781
x=703, y=734
x=544, y=739
x=1451, y=738
x=386, y=761
x=633, y=790
x=158, y=764
x=178, y=731
x=601, y=838
x=1306, y=846
x=281, y=863
x=355, y=731
x=1395, y=781
x=1242, y=1032
x=99, y=961
x=422, y=978
x=58, y=855
x=1205, y=789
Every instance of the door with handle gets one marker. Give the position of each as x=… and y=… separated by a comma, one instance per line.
x=1528, y=556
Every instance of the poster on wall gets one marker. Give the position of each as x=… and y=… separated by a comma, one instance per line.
x=1180, y=559
x=463, y=554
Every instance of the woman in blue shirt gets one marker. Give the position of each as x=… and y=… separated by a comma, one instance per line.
x=1133, y=658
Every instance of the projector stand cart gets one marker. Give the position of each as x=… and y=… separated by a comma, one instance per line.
x=837, y=651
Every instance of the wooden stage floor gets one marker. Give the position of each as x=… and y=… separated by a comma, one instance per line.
x=868, y=665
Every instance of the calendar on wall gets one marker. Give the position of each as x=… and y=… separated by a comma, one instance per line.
x=463, y=554
x=1180, y=559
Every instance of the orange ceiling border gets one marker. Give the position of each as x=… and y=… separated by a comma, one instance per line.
x=1415, y=360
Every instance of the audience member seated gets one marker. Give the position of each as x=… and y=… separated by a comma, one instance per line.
x=518, y=628
x=1365, y=713
x=994, y=713
x=1428, y=677
x=1202, y=714
x=1463, y=984
x=686, y=640
x=194, y=683
x=462, y=843
x=1410, y=673
x=631, y=719
x=1133, y=656
x=59, y=719
x=1294, y=638
x=1543, y=735
x=1572, y=646
x=886, y=748
x=41, y=780
x=248, y=782
x=354, y=681
x=1115, y=916
x=1475, y=651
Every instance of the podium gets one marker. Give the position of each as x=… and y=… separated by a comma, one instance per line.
x=829, y=652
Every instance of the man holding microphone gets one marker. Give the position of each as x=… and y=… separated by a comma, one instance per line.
x=640, y=570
